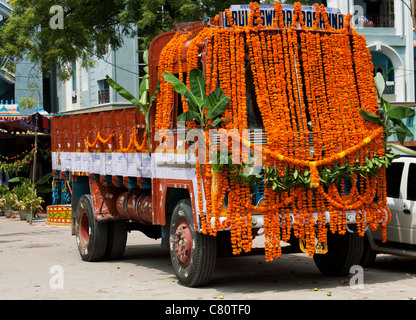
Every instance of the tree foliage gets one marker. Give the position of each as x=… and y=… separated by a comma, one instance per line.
x=90, y=25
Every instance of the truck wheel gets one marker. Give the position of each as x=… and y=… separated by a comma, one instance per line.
x=116, y=241
x=369, y=256
x=193, y=254
x=344, y=251
x=91, y=236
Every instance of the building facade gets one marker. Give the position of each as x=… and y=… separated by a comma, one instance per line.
x=88, y=88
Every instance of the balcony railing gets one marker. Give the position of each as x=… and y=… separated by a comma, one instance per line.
x=389, y=88
x=104, y=96
x=375, y=21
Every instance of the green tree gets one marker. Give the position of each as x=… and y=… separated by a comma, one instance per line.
x=92, y=24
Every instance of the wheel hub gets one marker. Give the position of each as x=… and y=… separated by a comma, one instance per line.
x=183, y=243
x=84, y=229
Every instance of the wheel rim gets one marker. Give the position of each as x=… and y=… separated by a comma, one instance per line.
x=183, y=243
x=84, y=229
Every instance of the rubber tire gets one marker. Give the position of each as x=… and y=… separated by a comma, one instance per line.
x=344, y=251
x=204, y=249
x=369, y=256
x=92, y=243
x=117, y=239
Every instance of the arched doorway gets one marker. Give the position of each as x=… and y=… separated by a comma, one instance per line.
x=383, y=64
x=386, y=58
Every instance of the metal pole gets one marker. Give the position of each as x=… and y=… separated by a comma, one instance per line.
x=35, y=151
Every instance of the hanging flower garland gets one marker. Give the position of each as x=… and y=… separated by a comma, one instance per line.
x=12, y=168
x=309, y=85
x=98, y=138
x=133, y=142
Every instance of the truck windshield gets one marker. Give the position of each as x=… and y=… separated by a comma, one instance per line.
x=254, y=119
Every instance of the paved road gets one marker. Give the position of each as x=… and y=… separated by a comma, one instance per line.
x=34, y=259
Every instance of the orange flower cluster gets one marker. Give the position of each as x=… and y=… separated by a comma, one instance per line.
x=100, y=139
x=170, y=55
x=133, y=142
x=309, y=85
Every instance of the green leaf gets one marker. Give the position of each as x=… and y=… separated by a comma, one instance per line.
x=44, y=189
x=188, y=116
x=219, y=107
x=180, y=87
x=215, y=122
x=400, y=112
x=385, y=105
x=380, y=83
x=400, y=123
x=368, y=116
x=295, y=174
x=197, y=85
x=400, y=133
x=44, y=179
x=20, y=179
x=144, y=86
x=123, y=92
x=212, y=98
x=144, y=89
x=155, y=93
x=191, y=104
x=146, y=57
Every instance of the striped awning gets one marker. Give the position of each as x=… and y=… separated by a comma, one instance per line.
x=22, y=123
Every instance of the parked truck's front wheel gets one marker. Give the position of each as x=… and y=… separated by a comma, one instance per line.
x=91, y=236
x=193, y=254
x=344, y=251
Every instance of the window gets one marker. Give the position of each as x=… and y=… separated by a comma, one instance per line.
x=74, y=81
x=394, y=178
x=411, y=182
x=254, y=119
x=74, y=75
x=103, y=92
x=376, y=13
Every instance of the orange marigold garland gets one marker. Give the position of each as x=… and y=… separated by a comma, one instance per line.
x=98, y=138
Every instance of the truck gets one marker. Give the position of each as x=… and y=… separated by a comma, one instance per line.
x=285, y=150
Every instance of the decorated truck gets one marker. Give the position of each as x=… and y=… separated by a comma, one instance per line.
x=254, y=129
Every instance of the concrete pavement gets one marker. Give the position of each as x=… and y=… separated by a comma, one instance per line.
x=41, y=261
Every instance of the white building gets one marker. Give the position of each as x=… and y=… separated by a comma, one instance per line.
x=88, y=88
x=387, y=26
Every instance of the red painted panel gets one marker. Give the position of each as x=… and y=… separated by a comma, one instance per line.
x=160, y=187
x=104, y=198
x=78, y=133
